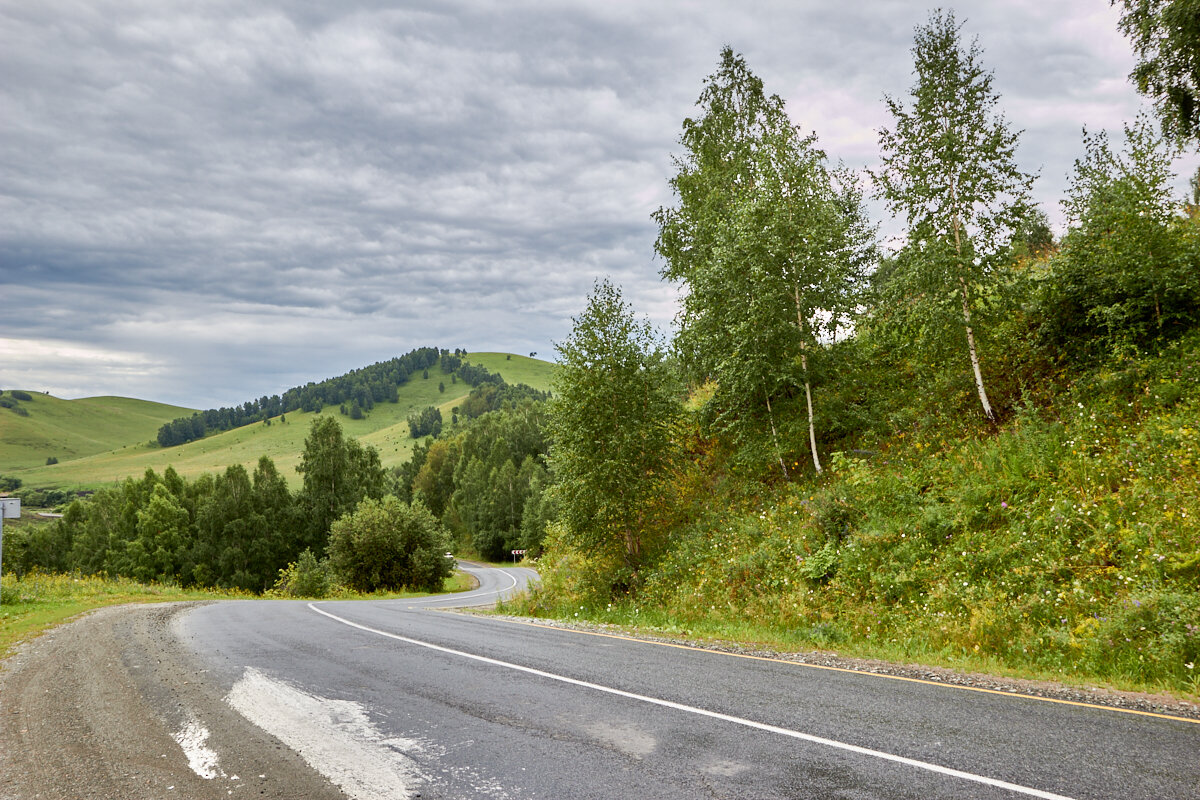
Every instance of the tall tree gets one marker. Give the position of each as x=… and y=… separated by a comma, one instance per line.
x=1166, y=40
x=949, y=169
x=714, y=170
x=769, y=243
x=338, y=473
x=610, y=423
x=801, y=242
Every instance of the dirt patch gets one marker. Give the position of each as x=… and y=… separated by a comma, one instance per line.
x=105, y=706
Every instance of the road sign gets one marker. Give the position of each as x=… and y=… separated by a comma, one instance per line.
x=10, y=508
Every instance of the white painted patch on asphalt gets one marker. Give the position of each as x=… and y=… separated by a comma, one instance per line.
x=703, y=712
x=335, y=737
x=193, y=739
x=627, y=738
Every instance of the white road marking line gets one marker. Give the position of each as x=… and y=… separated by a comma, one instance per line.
x=193, y=740
x=469, y=596
x=335, y=737
x=925, y=765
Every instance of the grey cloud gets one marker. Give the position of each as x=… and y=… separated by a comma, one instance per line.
x=240, y=195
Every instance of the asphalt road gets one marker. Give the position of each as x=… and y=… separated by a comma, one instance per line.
x=396, y=699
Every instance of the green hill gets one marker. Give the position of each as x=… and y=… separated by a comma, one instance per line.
x=385, y=427
x=72, y=429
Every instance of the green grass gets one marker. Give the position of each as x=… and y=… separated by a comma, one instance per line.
x=385, y=428
x=72, y=429
x=37, y=602
x=520, y=369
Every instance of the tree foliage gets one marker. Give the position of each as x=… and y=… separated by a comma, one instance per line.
x=1128, y=270
x=610, y=424
x=1166, y=40
x=389, y=544
x=949, y=169
x=338, y=474
x=771, y=245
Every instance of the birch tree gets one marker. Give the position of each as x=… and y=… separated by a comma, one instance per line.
x=801, y=242
x=610, y=424
x=769, y=244
x=949, y=169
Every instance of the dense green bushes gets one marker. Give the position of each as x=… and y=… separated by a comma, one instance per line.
x=389, y=544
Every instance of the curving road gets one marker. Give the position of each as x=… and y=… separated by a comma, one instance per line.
x=395, y=699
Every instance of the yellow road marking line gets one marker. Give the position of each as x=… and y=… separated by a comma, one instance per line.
x=942, y=684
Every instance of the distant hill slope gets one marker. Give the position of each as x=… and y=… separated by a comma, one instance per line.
x=385, y=427
x=516, y=369
x=71, y=429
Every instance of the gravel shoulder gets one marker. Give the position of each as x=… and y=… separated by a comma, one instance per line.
x=1132, y=701
x=96, y=709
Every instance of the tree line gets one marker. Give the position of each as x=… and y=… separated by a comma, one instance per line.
x=354, y=393
x=239, y=529
x=351, y=520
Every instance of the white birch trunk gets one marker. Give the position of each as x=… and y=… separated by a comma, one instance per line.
x=812, y=425
x=983, y=398
x=775, y=437
x=966, y=307
x=812, y=428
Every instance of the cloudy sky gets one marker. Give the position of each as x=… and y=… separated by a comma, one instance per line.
x=206, y=202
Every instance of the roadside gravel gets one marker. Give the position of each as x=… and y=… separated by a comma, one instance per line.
x=1134, y=701
x=97, y=709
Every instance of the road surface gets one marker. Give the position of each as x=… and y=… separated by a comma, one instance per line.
x=397, y=698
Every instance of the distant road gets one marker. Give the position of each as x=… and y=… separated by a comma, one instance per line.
x=494, y=584
x=395, y=698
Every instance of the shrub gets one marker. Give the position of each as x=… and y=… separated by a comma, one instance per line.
x=388, y=544
x=304, y=577
x=51, y=461
x=21, y=395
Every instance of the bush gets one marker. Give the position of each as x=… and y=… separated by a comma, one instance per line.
x=21, y=395
x=51, y=461
x=388, y=544
x=304, y=577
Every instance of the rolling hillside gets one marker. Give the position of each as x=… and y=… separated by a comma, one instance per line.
x=385, y=428
x=71, y=429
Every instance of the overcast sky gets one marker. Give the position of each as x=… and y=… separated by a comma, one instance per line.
x=205, y=202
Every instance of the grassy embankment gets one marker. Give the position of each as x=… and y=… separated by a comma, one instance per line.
x=122, y=448
x=1066, y=546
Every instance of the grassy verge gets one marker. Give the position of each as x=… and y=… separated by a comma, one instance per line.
x=1066, y=546
x=37, y=602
